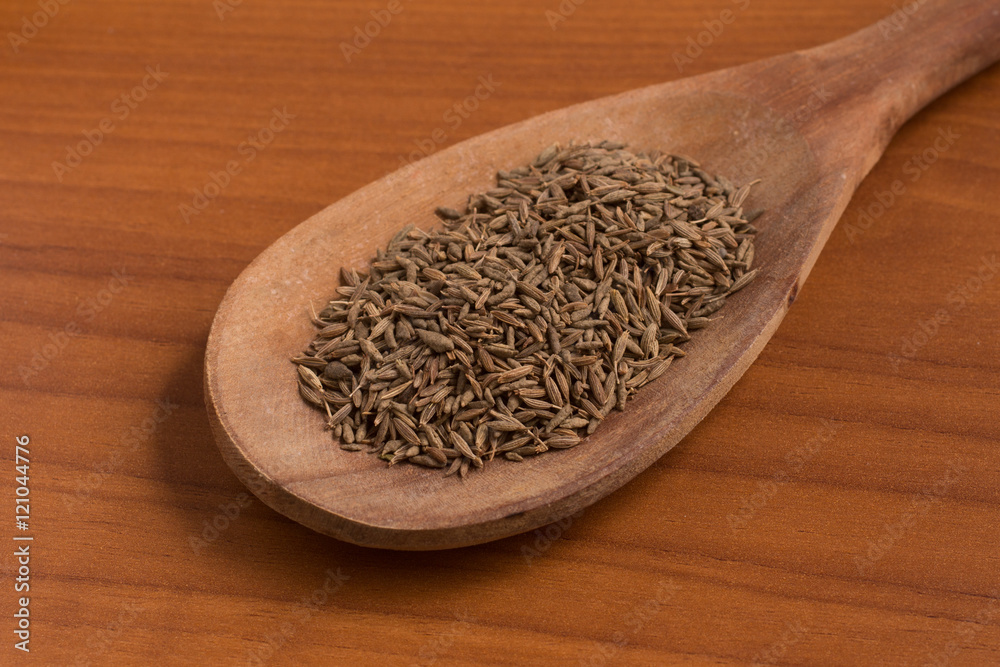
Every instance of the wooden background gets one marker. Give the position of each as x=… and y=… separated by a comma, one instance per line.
x=840, y=506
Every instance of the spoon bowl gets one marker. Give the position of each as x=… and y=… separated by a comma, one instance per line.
x=810, y=125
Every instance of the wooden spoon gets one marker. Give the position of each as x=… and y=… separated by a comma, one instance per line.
x=809, y=124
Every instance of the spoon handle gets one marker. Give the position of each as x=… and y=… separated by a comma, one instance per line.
x=876, y=79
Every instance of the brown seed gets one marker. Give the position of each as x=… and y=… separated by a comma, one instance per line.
x=339, y=416
x=427, y=461
x=461, y=445
x=513, y=374
x=562, y=441
x=310, y=379
x=436, y=341
x=336, y=371
x=504, y=425
x=406, y=431
x=743, y=281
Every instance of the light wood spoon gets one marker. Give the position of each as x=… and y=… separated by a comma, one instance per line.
x=809, y=124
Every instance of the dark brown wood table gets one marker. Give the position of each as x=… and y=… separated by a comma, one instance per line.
x=839, y=506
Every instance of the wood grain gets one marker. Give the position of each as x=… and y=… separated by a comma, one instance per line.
x=838, y=505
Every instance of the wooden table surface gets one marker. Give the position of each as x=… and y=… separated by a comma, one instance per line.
x=839, y=506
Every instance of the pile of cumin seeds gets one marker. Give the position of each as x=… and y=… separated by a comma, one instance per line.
x=526, y=320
